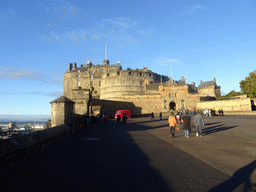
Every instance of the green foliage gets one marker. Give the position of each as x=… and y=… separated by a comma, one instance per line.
x=248, y=86
x=230, y=94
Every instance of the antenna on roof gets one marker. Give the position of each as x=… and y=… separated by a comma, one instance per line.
x=105, y=51
x=171, y=70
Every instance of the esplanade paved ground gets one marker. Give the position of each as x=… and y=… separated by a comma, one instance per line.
x=140, y=156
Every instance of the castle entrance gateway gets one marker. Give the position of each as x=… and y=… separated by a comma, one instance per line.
x=172, y=105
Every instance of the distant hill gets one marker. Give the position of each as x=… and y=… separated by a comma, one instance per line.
x=24, y=118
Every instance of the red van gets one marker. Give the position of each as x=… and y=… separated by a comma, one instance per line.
x=120, y=112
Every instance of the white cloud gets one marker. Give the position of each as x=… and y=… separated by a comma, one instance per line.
x=50, y=94
x=121, y=22
x=192, y=9
x=165, y=61
x=119, y=30
x=61, y=8
x=11, y=73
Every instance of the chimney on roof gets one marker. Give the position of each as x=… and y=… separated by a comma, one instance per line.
x=70, y=66
x=105, y=62
x=74, y=65
x=182, y=78
x=193, y=83
x=201, y=81
x=214, y=79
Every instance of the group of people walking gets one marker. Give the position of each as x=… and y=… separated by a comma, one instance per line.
x=175, y=122
x=98, y=119
x=121, y=119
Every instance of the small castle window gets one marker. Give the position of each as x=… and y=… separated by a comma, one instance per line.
x=91, y=76
x=78, y=77
x=118, y=73
x=78, y=84
x=130, y=73
x=92, y=71
x=149, y=75
x=86, y=72
x=108, y=74
x=140, y=74
x=99, y=83
x=78, y=71
x=103, y=70
x=91, y=83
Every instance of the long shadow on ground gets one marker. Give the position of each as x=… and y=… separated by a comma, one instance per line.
x=216, y=128
x=101, y=158
x=241, y=176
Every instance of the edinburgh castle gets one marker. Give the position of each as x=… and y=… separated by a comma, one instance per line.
x=140, y=90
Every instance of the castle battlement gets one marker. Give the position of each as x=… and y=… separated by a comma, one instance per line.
x=111, y=82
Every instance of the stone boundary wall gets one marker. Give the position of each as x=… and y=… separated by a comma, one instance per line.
x=15, y=149
x=227, y=105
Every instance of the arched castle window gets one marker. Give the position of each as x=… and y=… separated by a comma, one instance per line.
x=149, y=75
x=108, y=74
x=140, y=74
x=92, y=71
x=91, y=76
x=78, y=71
x=78, y=77
x=91, y=83
x=78, y=84
x=130, y=73
x=118, y=73
x=103, y=70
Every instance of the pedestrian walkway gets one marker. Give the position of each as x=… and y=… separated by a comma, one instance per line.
x=228, y=142
x=139, y=156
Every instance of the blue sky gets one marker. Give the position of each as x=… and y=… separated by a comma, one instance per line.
x=203, y=39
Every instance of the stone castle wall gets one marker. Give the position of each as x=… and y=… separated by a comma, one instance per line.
x=115, y=84
x=61, y=112
x=159, y=101
x=208, y=91
x=227, y=105
x=109, y=81
x=86, y=77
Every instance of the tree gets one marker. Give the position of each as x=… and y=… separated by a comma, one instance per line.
x=230, y=94
x=248, y=86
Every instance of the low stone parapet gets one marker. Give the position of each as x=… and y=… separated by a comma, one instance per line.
x=239, y=112
x=13, y=149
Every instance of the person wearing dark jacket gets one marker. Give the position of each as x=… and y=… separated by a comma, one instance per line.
x=186, y=120
x=160, y=115
x=199, y=123
x=124, y=118
x=152, y=116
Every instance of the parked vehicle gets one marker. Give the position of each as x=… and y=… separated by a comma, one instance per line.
x=121, y=112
